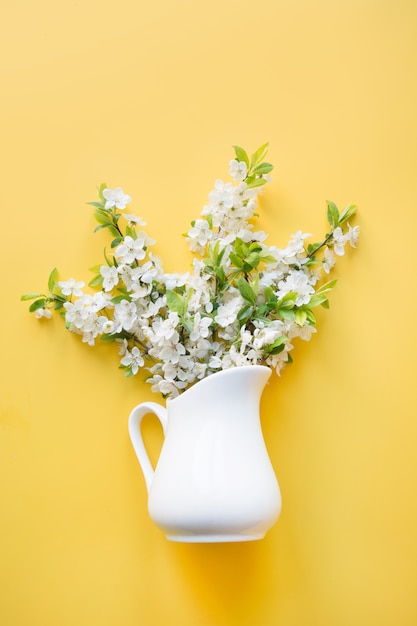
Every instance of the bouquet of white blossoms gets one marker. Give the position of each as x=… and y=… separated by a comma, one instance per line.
x=243, y=302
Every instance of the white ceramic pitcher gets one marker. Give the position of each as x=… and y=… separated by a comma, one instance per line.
x=213, y=481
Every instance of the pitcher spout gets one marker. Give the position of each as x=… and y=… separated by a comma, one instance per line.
x=242, y=385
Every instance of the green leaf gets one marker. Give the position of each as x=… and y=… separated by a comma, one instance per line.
x=263, y=168
x=220, y=256
x=332, y=214
x=116, y=242
x=310, y=317
x=110, y=338
x=96, y=281
x=253, y=260
x=255, y=282
x=300, y=317
x=244, y=314
x=246, y=291
x=263, y=309
x=267, y=258
x=52, y=279
x=209, y=266
x=131, y=232
x=38, y=304
x=259, y=154
x=316, y=300
x=326, y=287
x=102, y=187
x=232, y=275
x=98, y=205
x=236, y=260
x=287, y=314
x=220, y=275
x=347, y=213
x=256, y=182
x=103, y=217
x=276, y=347
x=118, y=299
x=214, y=253
x=241, y=247
x=288, y=301
x=114, y=231
x=175, y=302
x=124, y=293
x=241, y=155
x=31, y=296
x=313, y=247
x=97, y=228
x=108, y=260
x=187, y=326
x=269, y=294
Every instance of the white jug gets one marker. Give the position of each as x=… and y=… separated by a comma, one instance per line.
x=213, y=481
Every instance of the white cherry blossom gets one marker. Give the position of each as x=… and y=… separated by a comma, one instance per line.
x=42, y=312
x=238, y=170
x=353, y=235
x=133, y=359
x=110, y=277
x=199, y=235
x=265, y=336
x=175, y=280
x=299, y=283
x=329, y=260
x=71, y=287
x=304, y=332
x=201, y=327
x=125, y=315
x=339, y=241
x=99, y=301
x=131, y=250
x=129, y=275
x=77, y=313
x=133, y=219
x=116, y=198
x=223, y=195
x=170, y=352
x=227, y=313
x=164, y=329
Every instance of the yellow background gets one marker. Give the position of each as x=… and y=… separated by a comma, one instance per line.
x=151, y=97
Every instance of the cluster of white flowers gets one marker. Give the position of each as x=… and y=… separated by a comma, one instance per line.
x=243, y=302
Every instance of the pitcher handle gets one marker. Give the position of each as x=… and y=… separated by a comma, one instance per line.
x=136, y=438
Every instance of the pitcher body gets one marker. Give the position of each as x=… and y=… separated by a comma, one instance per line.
x=213, y=480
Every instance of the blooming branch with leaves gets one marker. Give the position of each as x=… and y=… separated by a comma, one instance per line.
x=243, y=302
